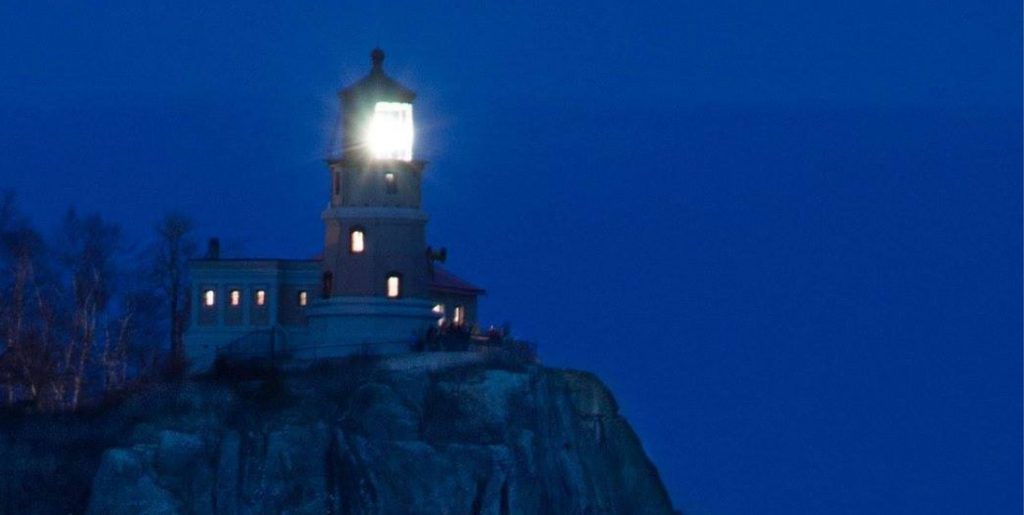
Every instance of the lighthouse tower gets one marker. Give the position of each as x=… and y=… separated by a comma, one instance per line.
x=375, y=288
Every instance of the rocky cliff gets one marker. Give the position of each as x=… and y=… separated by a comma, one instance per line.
x=350, y=438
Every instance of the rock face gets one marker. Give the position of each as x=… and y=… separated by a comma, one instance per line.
x=474, y=440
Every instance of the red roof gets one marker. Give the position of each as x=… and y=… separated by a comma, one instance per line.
x=447, y=281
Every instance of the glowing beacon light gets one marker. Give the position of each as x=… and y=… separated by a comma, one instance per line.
x=390, y=133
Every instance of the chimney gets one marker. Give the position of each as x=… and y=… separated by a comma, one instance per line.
x=213, y=248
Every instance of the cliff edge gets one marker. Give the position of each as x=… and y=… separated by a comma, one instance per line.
x=352, y=438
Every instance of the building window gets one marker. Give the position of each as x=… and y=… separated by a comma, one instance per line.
x=209, y=298
x=303, y=298
x=235, y=297
x=357, y=241
x=336, y=183
x=459, y=316
x=439, y=311
x=261, y=297
x=394, y=286
x=390, y=183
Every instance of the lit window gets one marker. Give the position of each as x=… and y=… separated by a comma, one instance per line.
x=356, y=242
x=394, y=286
x=391, y=131
x=303, y=298
x=261, y=297
x=439, y=311
x=459, y=316
x=235, y=297
x=209, y=298
x=390, y=183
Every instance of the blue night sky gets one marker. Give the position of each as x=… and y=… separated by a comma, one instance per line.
x=786, y=234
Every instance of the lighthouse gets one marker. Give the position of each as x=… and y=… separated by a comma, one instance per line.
x=376, y=288
x=376, y=268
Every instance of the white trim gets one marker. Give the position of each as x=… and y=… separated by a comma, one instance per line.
x=372, y=306
x=348, y=213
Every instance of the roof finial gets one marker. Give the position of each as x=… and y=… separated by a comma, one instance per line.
x=377, y=56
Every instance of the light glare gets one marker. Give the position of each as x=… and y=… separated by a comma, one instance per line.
x=439, y=310
x=390, y=133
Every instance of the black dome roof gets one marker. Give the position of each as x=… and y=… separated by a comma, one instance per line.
x=378, y=84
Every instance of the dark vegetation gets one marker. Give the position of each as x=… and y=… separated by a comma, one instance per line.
x=85, y=314
x=48, y=459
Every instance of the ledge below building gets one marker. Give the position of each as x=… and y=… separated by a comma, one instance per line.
x=341, y=326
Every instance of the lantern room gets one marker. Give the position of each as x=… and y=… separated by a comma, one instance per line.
x=377, y=122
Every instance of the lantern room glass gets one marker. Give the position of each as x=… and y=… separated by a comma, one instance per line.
x=390, y=133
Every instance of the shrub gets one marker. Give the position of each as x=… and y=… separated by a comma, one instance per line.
x=233, y=370
x=510, y=355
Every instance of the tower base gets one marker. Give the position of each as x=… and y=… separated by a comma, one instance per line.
x=342, y=326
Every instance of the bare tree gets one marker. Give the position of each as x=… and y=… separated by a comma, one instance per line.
x=88, y=252
x=21, y=248
x=77, y=318
x=175, y=246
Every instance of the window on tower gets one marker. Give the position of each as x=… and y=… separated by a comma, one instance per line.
x=356, y=241
x=390, y=183
x=390, y=133
x=394, y=286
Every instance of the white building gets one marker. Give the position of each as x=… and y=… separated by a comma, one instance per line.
x=376, y=288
